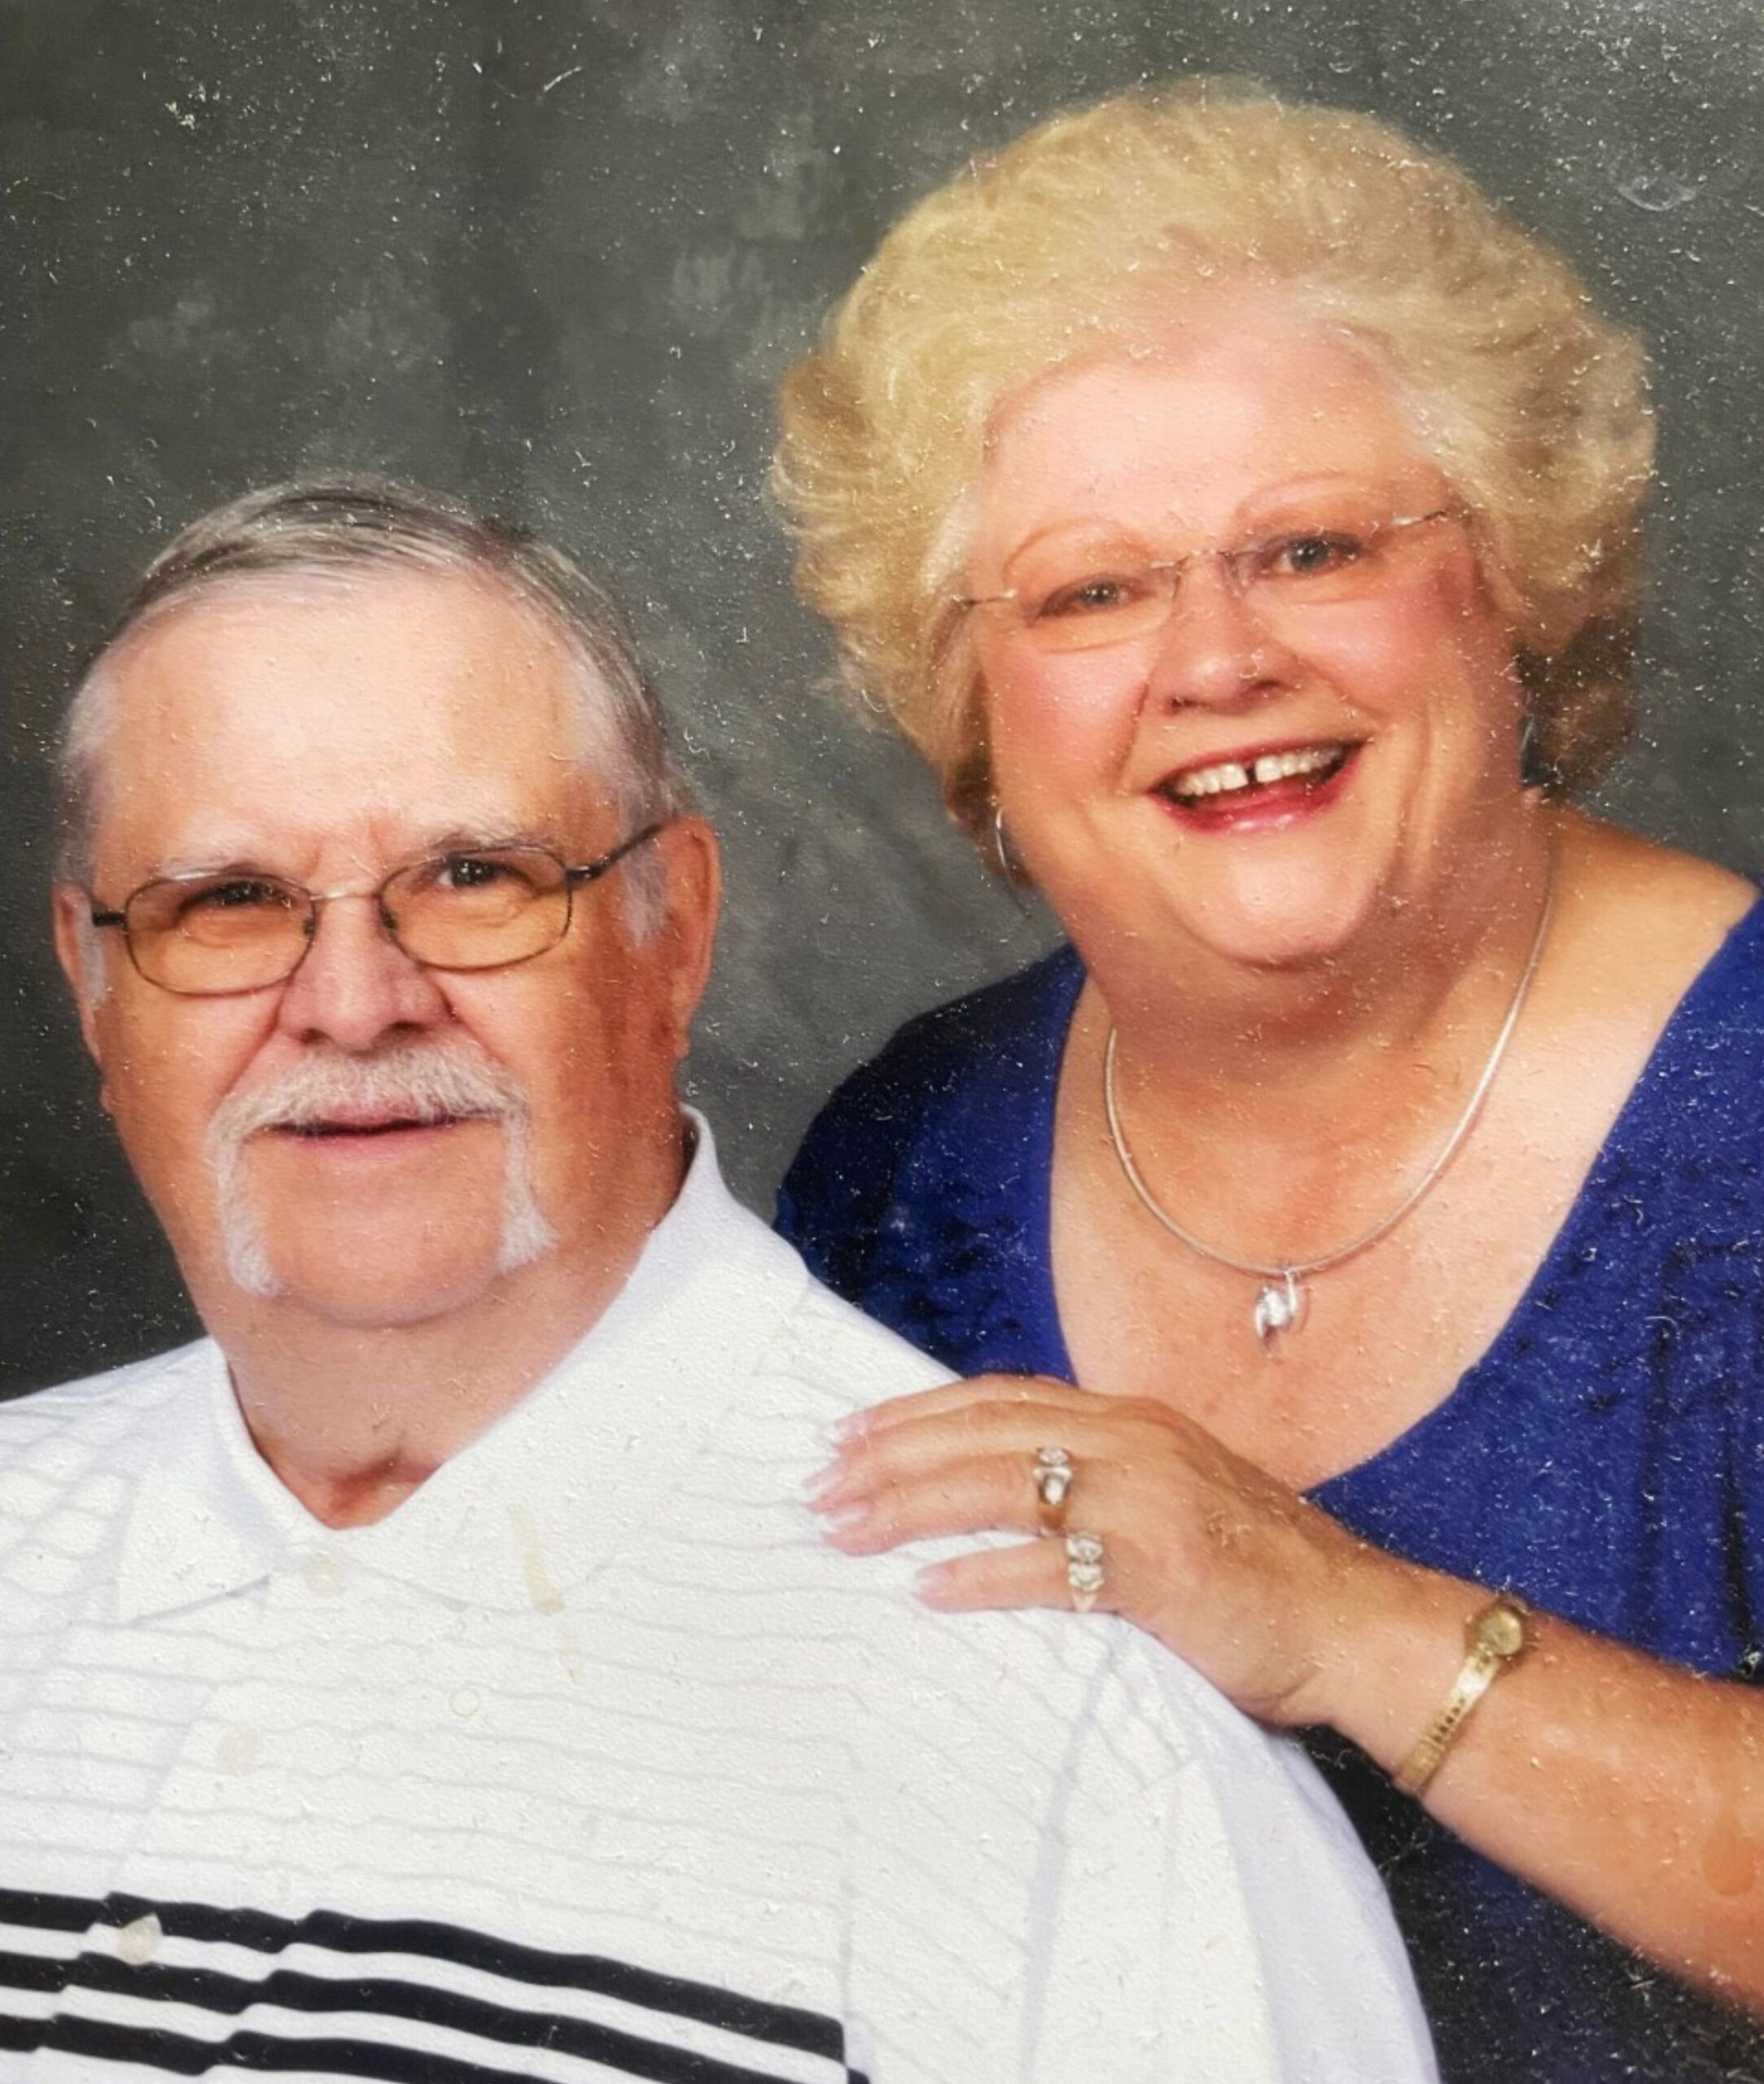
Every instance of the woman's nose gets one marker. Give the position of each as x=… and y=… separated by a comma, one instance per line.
x=1215, y=645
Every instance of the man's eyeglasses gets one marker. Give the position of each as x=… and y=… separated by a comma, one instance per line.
x=1086, y=605
x=207, y=935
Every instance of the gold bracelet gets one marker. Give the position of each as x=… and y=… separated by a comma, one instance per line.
x=1497, y=1637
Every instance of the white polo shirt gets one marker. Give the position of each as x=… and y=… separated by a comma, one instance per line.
x=592, y=1761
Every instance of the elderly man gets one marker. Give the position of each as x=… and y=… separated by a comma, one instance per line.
x=430, y=1675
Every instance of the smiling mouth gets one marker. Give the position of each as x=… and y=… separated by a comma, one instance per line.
x=1240, y=781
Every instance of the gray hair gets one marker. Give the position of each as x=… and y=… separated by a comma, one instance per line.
x=343, y=526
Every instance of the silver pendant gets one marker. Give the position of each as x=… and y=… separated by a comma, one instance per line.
x=1279, y=1306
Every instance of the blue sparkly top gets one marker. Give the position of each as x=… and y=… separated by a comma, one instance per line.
x=1604, y=1458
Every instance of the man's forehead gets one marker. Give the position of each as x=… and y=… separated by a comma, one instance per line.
x=428, y=702
x=416, y=626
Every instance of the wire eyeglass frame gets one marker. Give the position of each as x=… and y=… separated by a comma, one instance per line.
x=289, y=938
x=1106, y=624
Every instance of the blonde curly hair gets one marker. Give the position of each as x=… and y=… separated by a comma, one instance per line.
x=1533, y=404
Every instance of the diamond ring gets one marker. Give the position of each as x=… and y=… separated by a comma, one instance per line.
x=1053, y=1478
x=1085, y=1570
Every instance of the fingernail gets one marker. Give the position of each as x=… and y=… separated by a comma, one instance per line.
x=828, y=1486
x=853, y=1426
x=930, y=1587
x=844, y=1526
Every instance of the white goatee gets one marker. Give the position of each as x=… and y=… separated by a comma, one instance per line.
x=429, y=1082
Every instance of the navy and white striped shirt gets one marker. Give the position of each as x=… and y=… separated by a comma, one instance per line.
x=590, y=1761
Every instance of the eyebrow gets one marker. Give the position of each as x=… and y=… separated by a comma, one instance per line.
x=465, y=839
x=453, y=839
x=1282, y=499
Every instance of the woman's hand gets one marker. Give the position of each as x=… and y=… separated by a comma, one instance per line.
x=1630, y=1788
x=1232, y=1570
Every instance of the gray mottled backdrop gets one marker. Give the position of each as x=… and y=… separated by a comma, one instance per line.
x=555, y=253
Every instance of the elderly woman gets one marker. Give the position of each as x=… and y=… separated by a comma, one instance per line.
x=1240, y=514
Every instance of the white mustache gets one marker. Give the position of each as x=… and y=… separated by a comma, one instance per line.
x=435, y=1082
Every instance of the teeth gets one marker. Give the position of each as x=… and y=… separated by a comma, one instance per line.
x=1229, y=774
x=1213, y=781
x=1277, y=766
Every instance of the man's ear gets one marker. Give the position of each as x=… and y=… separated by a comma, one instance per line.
x=688, y=933
x=81, y=959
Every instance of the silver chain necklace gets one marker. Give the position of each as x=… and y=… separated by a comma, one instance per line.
x=1281, y=1299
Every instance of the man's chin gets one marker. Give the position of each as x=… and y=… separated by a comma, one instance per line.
x=372, y=1278
x=365, y=1259
x=367, y=1294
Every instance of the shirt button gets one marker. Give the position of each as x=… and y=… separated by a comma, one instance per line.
x=139, y=1940
x=323, y=1575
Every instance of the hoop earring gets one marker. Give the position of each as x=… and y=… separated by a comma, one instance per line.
x=1010, y=864
x=1535, y=772
x=1001, y=851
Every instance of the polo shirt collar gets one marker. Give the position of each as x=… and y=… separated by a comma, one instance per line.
x=206, y=1517
x=538, y=1502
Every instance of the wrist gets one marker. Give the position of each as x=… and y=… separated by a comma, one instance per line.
x=1369, y=1603
x=1386, y=1647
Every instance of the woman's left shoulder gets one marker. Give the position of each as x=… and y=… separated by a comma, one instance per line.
x=1641, y=925
x=1615, y=870
x=1649, y=1044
